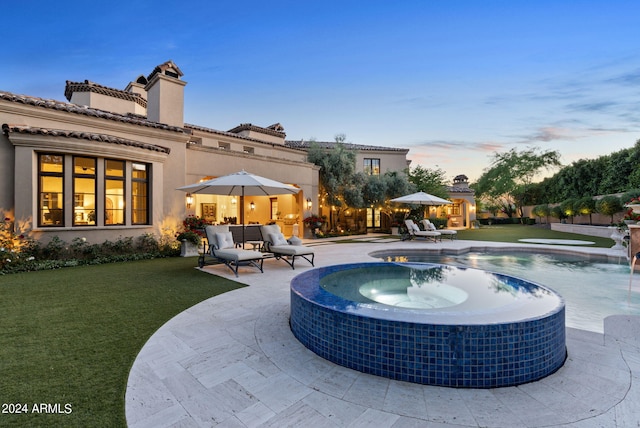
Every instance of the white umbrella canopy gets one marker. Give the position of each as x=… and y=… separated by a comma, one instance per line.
x=241, y=184
x=421, y=198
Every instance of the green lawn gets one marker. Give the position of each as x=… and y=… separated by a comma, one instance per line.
x=514, y=232
x=70, y=336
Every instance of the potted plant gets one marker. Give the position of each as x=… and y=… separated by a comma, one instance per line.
x=395, y=228
x=315, y=222
x=191, y=235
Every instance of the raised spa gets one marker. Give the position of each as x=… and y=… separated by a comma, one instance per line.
x=430, y=324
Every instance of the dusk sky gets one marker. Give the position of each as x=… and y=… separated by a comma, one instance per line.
x=453, y=81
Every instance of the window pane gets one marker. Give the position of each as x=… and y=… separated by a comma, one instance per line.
x=51, y=201
x=139, y=171
x=114, y=168
x=139, y=194
x=114, y=202
x=51, y=188
x=84, y=198
x=51, y=163
x=84, y=166
x=84, y=191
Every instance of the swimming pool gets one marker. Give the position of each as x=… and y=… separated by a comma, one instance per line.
x=592, y=289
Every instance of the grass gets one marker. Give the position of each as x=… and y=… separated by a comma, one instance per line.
x=515, y=232
x=70, y=336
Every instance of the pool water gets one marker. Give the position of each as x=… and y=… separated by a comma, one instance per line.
x=442, y=293
x=592, y=290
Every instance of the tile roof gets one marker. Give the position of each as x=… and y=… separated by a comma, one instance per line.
x=133, y=119
x=91, y=136
x=189, y=126
x=276, y=129
x=460, y=189
x=305, y=145
x=164, y=68
x=88, y=86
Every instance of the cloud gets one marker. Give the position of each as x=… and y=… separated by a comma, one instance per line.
x=631, y=78
x=483, y=146
x=555, y=133
x=592, y=106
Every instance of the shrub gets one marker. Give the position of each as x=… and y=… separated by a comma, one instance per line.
x=31, y=256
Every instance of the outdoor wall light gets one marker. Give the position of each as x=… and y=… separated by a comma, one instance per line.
x=309, y=204
x=233, y=201
x=252, y=206
x=189, y=200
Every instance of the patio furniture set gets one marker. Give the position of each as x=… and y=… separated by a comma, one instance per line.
x=222, y=248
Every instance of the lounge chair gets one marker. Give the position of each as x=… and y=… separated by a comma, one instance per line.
x=415, y=232
x=275, y=243
x=448, y=233
x=223, y=249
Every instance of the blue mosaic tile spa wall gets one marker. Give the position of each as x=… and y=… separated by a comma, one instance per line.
x=470, y=356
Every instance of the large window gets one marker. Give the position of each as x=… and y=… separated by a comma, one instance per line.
x=114, y=195
x=372, y=166
x=140, y=193
x=84, y=191
x=51, y=190
x=98, y=190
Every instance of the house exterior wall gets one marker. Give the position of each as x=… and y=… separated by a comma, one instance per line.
x=177, y=154
x=107, y=103
x=389, y=160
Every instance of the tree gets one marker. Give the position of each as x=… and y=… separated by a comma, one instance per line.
x=511, y=174
x=337, y=169
x=432, y=181
x=380, y=189
x=586, y=206
x=609, y=205
x=569, y=207
x=541, y=211
x=558, y=213
x=343, y=188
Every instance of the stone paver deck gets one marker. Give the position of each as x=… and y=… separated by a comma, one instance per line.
x=233, y=361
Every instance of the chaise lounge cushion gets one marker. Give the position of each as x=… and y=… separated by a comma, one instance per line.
x=277, y=239
x=238, y=255
x=225, y=240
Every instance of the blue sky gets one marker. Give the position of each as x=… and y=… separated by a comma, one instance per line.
x=453, y=81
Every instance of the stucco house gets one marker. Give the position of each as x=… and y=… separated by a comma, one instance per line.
x=462, y=212
x=107, y=163
x=372, y=160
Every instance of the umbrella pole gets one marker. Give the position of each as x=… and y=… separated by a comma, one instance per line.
x=242, y=215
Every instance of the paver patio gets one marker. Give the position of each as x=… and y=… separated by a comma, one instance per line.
x=233, y=361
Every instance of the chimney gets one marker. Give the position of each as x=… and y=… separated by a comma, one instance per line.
x=165, y=95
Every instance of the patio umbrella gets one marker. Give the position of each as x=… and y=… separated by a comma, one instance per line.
x=421, y=198
x=240, y=184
